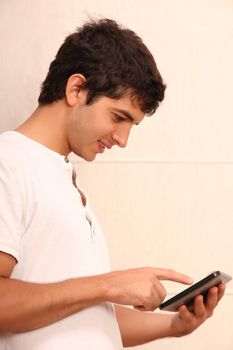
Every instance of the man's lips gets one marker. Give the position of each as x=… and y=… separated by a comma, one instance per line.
x=105, y=144
x=101, y=147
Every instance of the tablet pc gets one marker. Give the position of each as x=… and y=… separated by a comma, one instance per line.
x=187, y=296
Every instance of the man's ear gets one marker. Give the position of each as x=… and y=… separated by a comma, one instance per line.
x=73, y=88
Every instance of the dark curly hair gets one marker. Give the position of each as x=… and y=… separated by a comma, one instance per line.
x=114, y=60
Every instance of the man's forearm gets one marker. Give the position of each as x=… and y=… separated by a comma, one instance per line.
x=141, y=327
x=27, y=306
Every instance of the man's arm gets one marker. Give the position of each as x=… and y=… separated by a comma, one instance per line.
x=25, y=306
x=140, y=327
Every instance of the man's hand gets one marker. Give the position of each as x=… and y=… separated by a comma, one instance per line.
x=186, y=322
x=141, y=327
x=140, y=288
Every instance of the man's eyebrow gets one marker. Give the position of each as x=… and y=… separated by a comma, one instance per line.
x=126, y=114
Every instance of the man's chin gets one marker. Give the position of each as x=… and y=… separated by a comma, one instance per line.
x=89, y=157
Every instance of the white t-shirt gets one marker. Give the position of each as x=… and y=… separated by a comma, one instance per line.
x=45, y=226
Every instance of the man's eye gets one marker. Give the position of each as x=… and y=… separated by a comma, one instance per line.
x=118, y=118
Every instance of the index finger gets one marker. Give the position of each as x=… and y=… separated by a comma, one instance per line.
x=171, y=275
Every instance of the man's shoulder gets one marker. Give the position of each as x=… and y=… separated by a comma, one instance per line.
x=11, y=147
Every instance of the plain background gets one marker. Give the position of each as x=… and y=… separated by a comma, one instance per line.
x=166, y=200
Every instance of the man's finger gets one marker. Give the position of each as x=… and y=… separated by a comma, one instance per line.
x=221, y=290
x=212, y=298
x=171, y=275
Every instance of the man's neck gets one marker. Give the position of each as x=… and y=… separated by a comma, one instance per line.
x=47, y=125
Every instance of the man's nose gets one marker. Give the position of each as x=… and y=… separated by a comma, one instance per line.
x=121, y=137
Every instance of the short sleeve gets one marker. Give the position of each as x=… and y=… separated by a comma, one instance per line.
x=11, y=209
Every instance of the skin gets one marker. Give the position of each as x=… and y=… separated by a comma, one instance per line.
x=71, y=125
x=139, y=327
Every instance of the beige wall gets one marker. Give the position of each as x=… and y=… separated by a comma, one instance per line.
x=166, y=200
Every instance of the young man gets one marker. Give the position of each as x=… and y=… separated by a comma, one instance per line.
x=56, y=288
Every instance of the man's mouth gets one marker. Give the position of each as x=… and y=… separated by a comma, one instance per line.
x=104, y=145
x=101, y=146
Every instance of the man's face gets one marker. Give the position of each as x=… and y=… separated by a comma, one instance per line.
x=107, y=122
